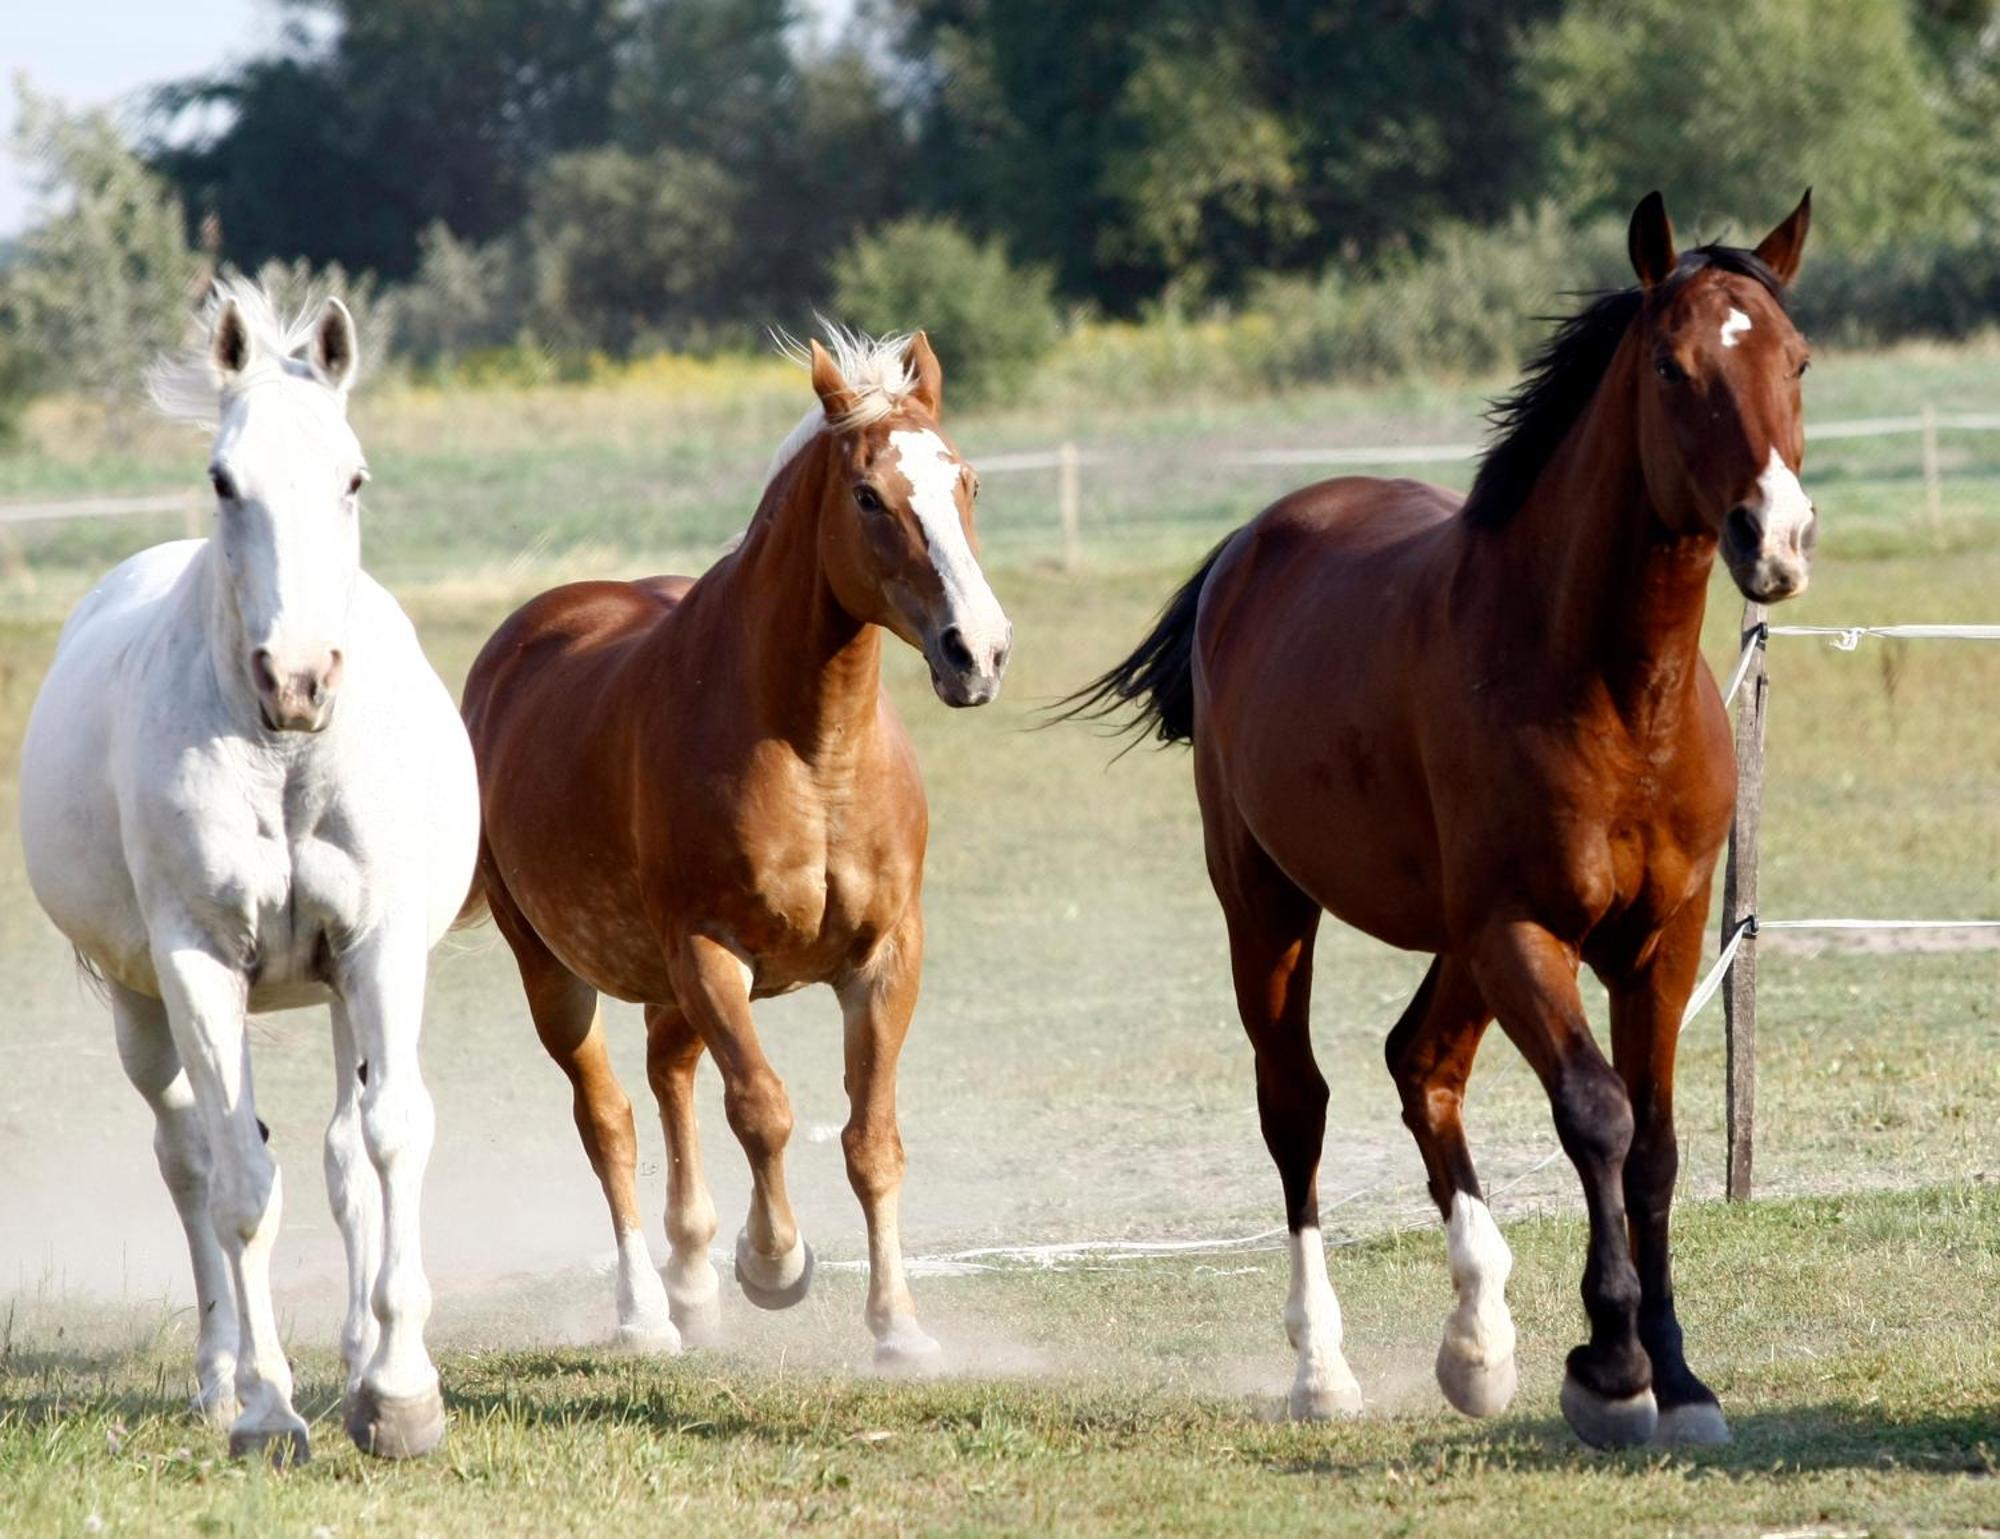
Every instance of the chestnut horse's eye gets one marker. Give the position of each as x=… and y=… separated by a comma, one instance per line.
x=223, y=482
x=867, y=499
x=1668, y=370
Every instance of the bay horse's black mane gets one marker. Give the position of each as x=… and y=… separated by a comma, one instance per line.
x=1561, y=379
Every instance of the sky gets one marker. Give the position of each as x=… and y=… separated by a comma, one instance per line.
x=99, y=53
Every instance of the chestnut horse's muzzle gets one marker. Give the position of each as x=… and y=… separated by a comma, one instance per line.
x=967, y=666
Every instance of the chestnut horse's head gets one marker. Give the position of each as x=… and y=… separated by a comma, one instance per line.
x=896, y=534
x=1721, y=428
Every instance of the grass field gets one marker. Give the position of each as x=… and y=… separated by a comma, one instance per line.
x=1076, y=1071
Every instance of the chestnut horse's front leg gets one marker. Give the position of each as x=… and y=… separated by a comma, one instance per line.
x=774, y=1266
x=1646, y=1006
x=1528, y=977
x=878, y=1002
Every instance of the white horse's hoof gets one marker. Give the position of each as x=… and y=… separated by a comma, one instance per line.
x=396, y=1426
x=217, y=1407
x=1699, y=1424
x=774, y=1284
x=1476, y=1388
x=648, y=1338
x=1622, y=1423
x=1333, y=1394
x=286, y=1444
x=907, y=1348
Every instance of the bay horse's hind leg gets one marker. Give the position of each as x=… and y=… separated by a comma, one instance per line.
x=1430, y=1055
x=1271, y=930
x=1529, y=978
x=694, y=1293
x=567, y=1020
x=146, y=1049
x=1646, y=1010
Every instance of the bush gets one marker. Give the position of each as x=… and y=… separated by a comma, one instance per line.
x=297, y=286
x=464, y=300
x=989, y=320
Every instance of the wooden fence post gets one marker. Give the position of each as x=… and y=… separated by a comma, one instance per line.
x=1069, y=499
x=1739, y=902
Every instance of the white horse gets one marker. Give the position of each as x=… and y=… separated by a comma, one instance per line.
x=243, y=788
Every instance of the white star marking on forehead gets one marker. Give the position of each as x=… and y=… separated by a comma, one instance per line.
x=1734, y=327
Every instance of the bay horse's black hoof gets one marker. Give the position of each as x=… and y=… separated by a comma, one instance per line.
x=395, y=1426
x=1602, y=1422
x=1698, y=1424
x=764, y=1295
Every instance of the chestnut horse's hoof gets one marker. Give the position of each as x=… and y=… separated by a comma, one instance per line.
x=907, y=1348
x=1476, y=1388
x=1625, y=1422
x=284, y=1446
x=395, y=1426
x=781, y=1291
x=1698, y=1424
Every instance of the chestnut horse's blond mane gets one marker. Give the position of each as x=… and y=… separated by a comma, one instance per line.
x=876, y=369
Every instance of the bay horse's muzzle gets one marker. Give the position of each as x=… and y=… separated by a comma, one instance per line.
x=1769, y=561
x=966, y=667
x=295, y=694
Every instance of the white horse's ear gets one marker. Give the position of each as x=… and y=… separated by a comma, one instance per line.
x=231, y=345
x=336, y=355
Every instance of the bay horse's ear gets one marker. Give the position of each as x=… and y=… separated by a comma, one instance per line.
x=835, y=398
x=336, y=355
x=929, y=373
x=231, y=347
x=1781, y=249
x=1651, y=240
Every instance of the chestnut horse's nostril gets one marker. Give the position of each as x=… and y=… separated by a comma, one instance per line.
x=956, y=652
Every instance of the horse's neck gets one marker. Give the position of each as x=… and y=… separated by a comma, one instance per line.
x=1617, y=599
x=224, y=647
x=814, y=671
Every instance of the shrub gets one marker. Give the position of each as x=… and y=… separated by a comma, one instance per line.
x=464, y=300
x=989, y=320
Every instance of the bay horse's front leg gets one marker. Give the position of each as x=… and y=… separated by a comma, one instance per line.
x=877, y=1003
x=1646, y=1006
x=205, y=999
x=397, y=1411
x=774, y=1266
x=1529, y=979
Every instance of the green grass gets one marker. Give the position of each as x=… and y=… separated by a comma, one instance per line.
x=1853, y=1341
x=1076, y=1070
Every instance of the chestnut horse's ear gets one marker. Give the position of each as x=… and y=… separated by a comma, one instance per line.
x=925, y=369
x=1781, y=249
x=835, y=398
x=1651, y=240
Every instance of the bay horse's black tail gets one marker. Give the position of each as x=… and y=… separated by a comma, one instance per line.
x=1158, y=678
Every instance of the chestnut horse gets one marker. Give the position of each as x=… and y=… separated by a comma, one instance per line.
x=1484, y=730
x=697, y=794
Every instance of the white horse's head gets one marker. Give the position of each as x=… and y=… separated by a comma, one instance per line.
x=287, y=471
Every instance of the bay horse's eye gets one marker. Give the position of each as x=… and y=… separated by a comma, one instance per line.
x=1804, y=364
x=1668, y=370
x=867, y=499
x=223, y=482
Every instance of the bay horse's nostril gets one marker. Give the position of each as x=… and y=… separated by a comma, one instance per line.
x=952, y=644
x=1742, y=531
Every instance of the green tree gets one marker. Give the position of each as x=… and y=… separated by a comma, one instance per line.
x=103, y=282
x=1733, y=109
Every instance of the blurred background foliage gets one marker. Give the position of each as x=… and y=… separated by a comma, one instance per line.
x=1270, y=190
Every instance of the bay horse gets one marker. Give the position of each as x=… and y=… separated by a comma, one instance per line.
x=1484, y=730
x=244, y=789
x=697, y=793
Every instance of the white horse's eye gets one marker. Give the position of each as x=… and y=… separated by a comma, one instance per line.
x=223, y=482
x=360, y=480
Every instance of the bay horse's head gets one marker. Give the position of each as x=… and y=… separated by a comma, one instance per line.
x=287, y=472
x=1721, y=426
x=896, y=528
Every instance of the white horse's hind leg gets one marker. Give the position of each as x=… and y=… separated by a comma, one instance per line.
x=397, y=1411
x=355, y=1193
x=146, y=1048
x=205, y=1002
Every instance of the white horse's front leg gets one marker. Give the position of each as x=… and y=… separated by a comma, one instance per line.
x=205, y=999
x=355, y=1193
x=397, y=1410
x=146, y=1048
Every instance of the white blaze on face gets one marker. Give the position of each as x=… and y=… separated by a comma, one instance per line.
x=1734, y=327
x=932, y=473
x=1783, y=512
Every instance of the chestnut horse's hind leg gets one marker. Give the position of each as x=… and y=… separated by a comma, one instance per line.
x=1430, y=1055
x=1645, y=1029
x=566, y=1018
x=774, y=1266
x=877, y=1004
x=694, y=1293
x=1529, y=978
x=1271, y=929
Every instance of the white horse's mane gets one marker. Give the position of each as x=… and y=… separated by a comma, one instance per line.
x=876, y=369
x=184, y=386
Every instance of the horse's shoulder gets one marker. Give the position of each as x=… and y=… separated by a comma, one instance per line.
x=136, y=583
